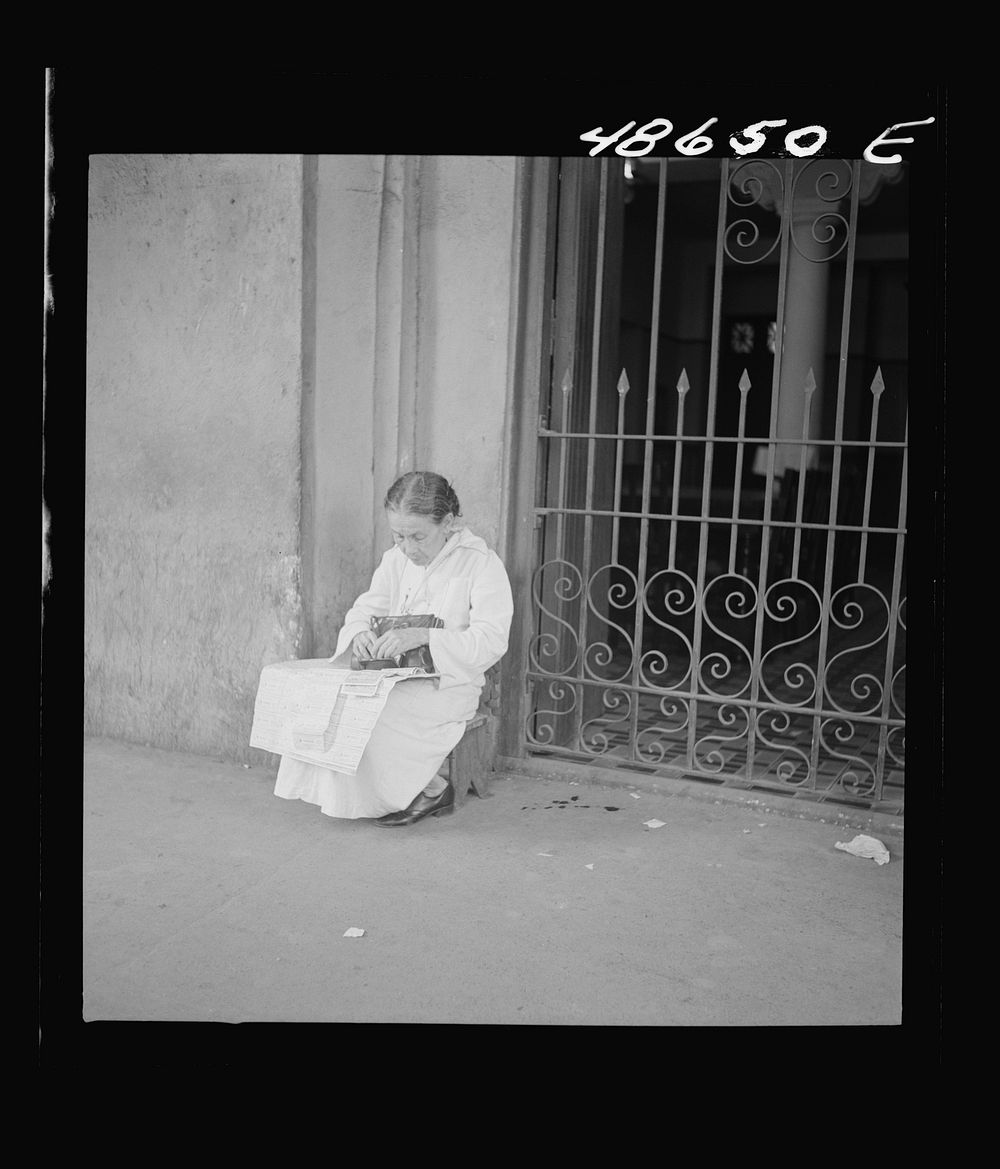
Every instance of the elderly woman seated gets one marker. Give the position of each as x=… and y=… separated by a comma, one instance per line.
x=439, y=568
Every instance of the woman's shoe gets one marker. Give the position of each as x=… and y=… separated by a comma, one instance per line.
x=443, y=804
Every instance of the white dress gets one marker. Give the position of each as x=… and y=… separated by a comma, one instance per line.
x=466, y=585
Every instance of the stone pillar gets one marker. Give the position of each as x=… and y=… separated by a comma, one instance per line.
x=807, y=282
x=818, y=191
x=397, y=329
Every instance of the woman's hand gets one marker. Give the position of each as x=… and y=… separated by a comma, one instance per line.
x=398, y=641
x=363, y=644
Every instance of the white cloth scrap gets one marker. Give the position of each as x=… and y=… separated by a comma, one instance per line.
x=866, y=846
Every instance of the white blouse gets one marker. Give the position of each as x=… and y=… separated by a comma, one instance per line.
x=466, y=585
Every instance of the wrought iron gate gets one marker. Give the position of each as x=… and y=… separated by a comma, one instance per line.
x=719, y=580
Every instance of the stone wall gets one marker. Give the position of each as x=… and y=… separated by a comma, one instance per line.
x=194, y=331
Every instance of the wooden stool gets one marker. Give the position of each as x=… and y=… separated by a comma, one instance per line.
x=471, y=762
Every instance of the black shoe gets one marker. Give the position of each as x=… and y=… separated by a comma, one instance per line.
x=443, y=804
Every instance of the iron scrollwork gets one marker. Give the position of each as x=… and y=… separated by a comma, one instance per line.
x=555, y=650
x=596, y=734
x=831, y=187
x=782, y=606
x=540, y=725
x=857, y=778
x=653, y=739
x=762, y=184
x=619, y=595
x=656, y=668
x=847, y=613
x=740, y=604
x=709, y=757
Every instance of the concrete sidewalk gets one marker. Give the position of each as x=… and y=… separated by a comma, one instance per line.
x=206, y=898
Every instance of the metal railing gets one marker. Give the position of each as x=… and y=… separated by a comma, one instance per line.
x=749, y=629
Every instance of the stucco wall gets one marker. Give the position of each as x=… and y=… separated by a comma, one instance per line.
x=270, y=340
x=339, y=417
x=466, y=235
x=193, y=398
x=413, y=289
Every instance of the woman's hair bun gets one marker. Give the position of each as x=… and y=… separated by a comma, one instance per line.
x=423, y=493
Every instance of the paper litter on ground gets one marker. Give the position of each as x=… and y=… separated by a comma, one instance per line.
x=354, y=932
x=866, y=846
x=588, y=866
x=654, y=823
x=634, y=795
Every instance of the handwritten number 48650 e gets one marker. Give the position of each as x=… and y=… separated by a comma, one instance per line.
x=801, y=143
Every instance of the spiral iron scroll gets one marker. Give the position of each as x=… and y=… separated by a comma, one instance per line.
x=677, y=593
x=847, y=613
x=595, y=738
x=708, y=750
x=652, y=741
x=607, y=696
x=798, y=676
x=895, y=744
x=740, y=604
x=540, y=725
x=793, y=767
x=759, y=182
x=555, y=651
x=897, y=687
x=857, y=778
x=831, y=187
x=620, y=596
